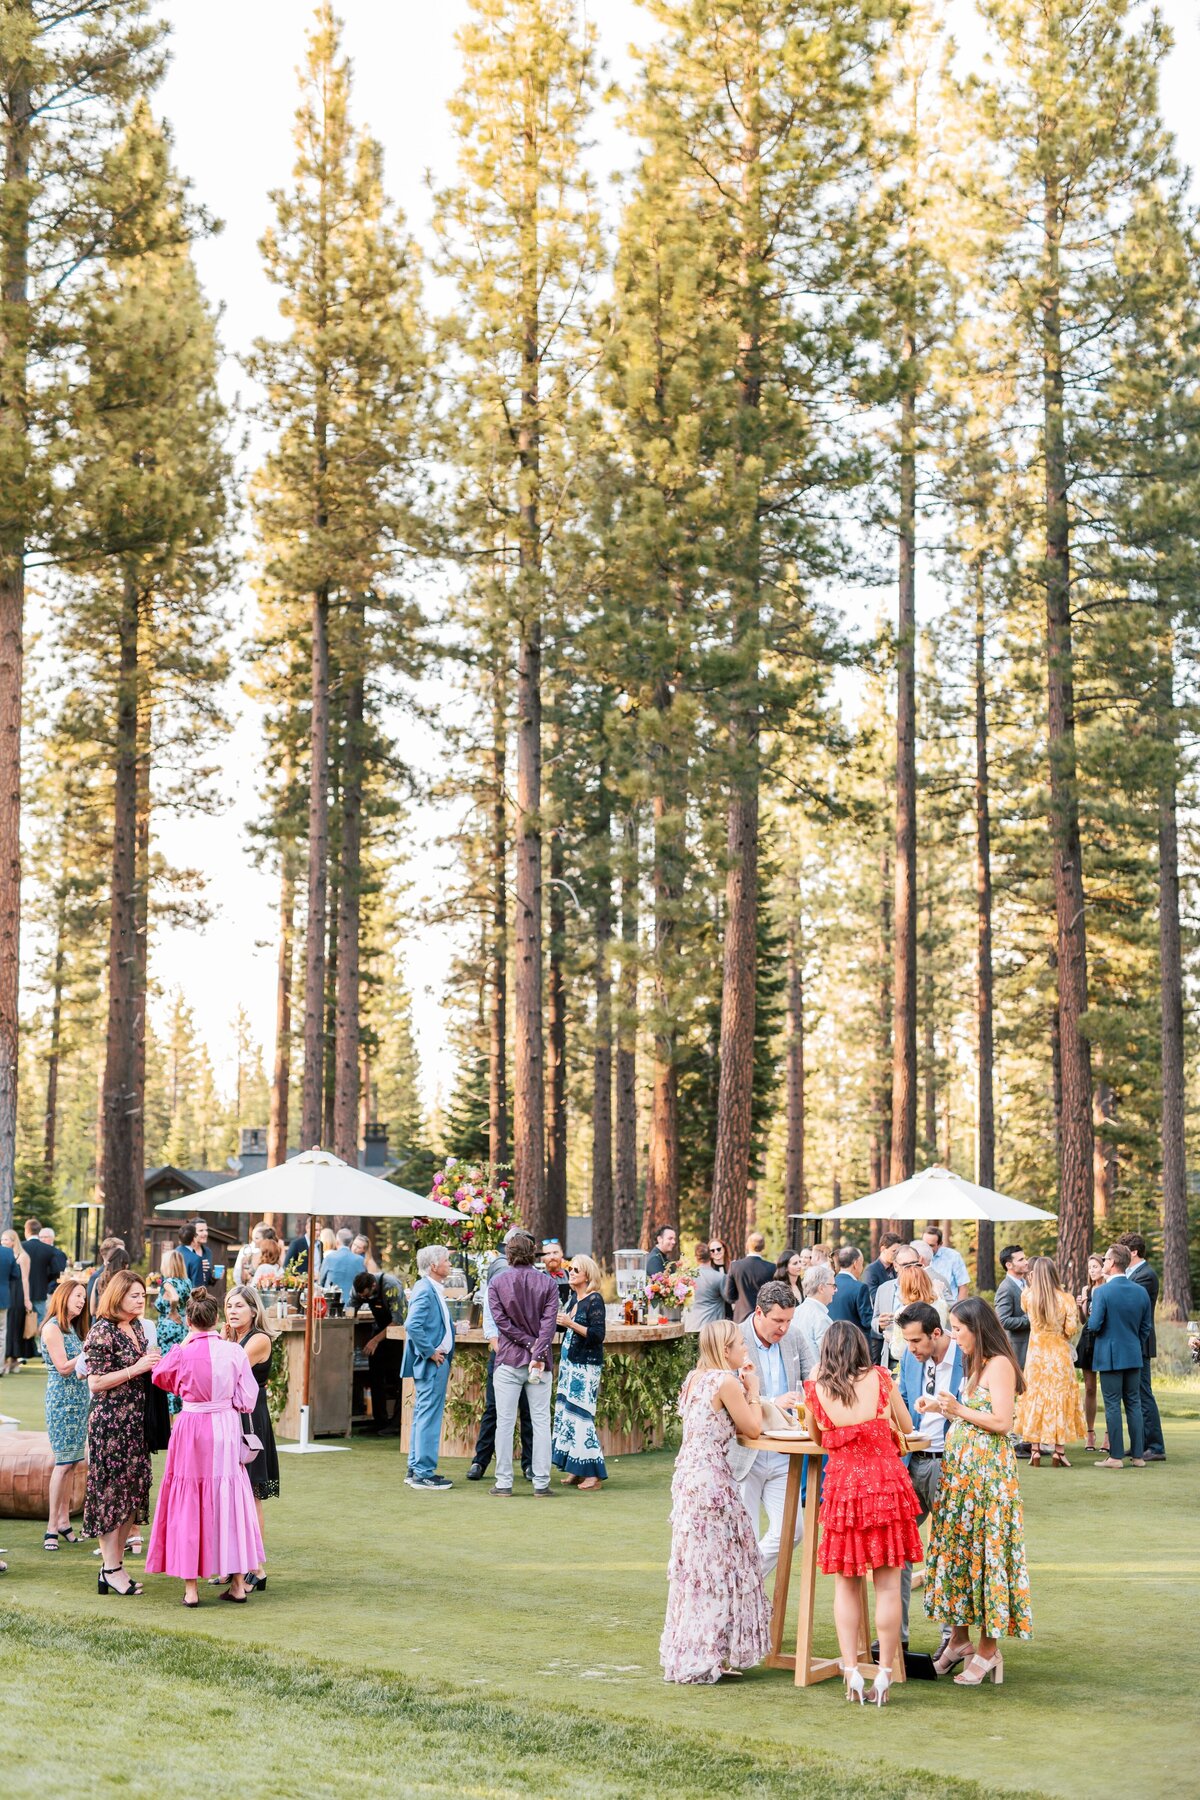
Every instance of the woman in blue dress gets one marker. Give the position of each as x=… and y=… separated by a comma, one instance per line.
x=172, y=1299
x=576, y=1440
x=68, y=1401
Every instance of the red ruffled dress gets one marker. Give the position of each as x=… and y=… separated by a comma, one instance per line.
x=869, y=1507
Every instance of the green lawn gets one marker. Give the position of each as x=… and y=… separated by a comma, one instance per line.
x=422, y=1644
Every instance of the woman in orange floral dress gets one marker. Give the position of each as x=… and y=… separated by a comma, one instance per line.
x=1051, y=1409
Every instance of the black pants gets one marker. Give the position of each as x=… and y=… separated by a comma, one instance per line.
x=485, y=1443
x=383, y=1379
x=1151, y=1423
x=1119, y=1385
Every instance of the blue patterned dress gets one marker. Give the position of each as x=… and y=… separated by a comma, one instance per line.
x=68, y=1403
x=171, y=1331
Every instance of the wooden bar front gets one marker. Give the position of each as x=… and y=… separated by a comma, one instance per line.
x=470, y=1383
x=332, y=1375
x=807, y=1667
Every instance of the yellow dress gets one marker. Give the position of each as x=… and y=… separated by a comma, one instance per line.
x=1050, y=1411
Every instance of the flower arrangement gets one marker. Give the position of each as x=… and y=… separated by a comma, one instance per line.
x=671, y=1287
x=483, y=1194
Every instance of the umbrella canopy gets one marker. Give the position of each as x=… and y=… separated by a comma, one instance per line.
x=937, y=1194
x=316, y=1183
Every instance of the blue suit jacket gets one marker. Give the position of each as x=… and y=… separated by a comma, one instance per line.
x=1121, y=1323
x=426, y=1327
x=912, y=1380
x=852, y=1301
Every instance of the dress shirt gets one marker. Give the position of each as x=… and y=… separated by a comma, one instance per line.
x=950, y=1267
x=774, y=1381
x=933, y=1425
x=448, y=1335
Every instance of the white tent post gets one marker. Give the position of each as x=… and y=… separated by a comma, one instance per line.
x=304, y=1445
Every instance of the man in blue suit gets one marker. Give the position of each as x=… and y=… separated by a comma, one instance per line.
x=1121, y=1323
x=428, y=1354
x=931, y=1364
x=852, y=1299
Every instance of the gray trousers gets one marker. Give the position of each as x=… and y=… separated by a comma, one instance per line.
x=509, y=1385
x=925, y=1473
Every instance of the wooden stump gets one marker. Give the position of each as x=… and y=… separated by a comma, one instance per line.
x=26, y=1465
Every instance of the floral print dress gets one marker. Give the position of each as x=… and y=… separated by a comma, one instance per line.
x=1050, y=1411
x=975, y=1564
x=717, y=1615
x=118, y=1481
x=172, y=1331
x=68, y=1403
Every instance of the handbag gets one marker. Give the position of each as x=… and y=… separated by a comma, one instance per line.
x=31, y=1324
x=251, y=1445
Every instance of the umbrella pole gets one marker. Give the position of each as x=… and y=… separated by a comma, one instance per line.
x=305, y=1446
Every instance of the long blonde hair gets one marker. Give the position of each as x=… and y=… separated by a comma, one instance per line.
x=717, y=1339
x=588, y=1266
x=1046, y=1298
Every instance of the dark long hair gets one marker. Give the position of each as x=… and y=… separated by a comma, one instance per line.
x=991, y=1339
x=845, y=1354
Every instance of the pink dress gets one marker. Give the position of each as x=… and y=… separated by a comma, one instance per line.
x=205, y=1522
x=717, y=1614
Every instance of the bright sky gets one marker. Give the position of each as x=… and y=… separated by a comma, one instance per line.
x=230, y=95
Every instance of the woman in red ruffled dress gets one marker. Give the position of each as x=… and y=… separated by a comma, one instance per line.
x=868, y=1505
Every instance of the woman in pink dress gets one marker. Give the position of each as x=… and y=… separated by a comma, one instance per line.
x=205, y=1523
x=717, y=1619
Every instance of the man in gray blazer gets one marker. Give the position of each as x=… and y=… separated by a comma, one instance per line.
x=776, y=1353
x=1008, y=1299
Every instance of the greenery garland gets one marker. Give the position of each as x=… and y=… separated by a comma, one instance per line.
x=637, y=1393
x=277, y=1384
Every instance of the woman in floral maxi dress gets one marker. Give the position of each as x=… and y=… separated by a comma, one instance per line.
x=976, y=1566
x=1051, y=1409
x=717, y=1619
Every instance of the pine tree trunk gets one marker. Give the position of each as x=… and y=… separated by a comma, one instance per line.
x=498, y=947
x=904, y=943
x=929, y=1036
x=735, y=1092
x=347, y=1036
x=281, y=1073
x=318, y=879
x=602, y=1051
x=626, y=1213
x=122, y=1213
x=142, y=943
x=1105, y=1170
x=793, y=1187
x=985, y=1242
x=881, y=1104
x=333, y=914
x=1075, y=1161
x=16, y=124
x=662, y=1161
x=54, y=1050
x=1177, y=1281
x=529, y=1071
x=556, y=1021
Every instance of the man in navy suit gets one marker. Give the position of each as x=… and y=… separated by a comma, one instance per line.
x=852, y=1299
x=1141, y=1272
x=931, y=1364
x=1120, y=1320
x=428, y=1353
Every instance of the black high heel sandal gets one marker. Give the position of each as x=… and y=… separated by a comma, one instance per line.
x=105, y=1586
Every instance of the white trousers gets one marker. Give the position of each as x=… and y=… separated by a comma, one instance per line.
x=765, y=1487
x=508, y=1383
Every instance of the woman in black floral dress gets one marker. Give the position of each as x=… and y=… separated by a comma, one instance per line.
x=118, y=1482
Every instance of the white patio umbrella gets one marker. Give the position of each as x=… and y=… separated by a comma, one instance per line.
x=319, y=1185
x=937, y=1194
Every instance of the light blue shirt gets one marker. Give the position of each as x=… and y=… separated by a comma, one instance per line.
x=953, y=1270
x=339, y=1269
x=774, y=1380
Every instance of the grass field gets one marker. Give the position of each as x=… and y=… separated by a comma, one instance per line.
x=426, y=1644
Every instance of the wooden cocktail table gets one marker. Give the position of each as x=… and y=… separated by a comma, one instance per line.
x=807, y=1667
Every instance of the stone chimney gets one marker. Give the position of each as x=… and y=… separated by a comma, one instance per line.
x=375, y=1146
x=252, y=1149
